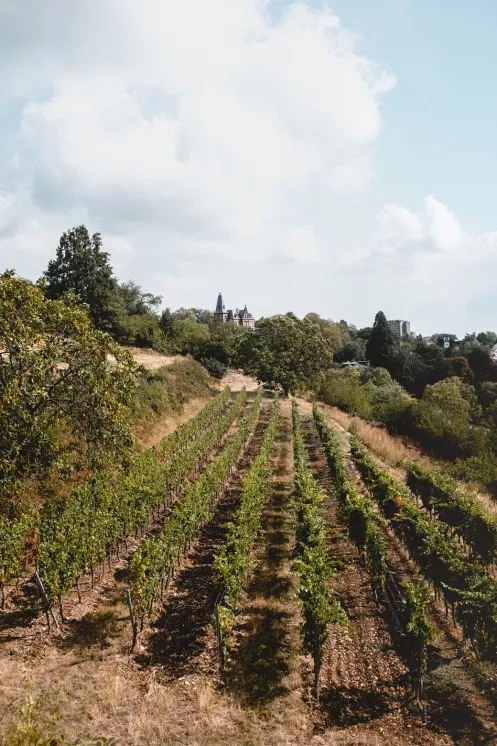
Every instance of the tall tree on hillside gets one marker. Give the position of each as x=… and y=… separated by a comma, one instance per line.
x=60, y=393
x=82, y=267
x=286, y=351
x=381, y=343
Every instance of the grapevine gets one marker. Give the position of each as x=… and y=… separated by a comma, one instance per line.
x=154, y=560
x=459, y=511
x=366, y=529
x=233, y=560
x=462, y=580
x=78, y=533
x=320, y=607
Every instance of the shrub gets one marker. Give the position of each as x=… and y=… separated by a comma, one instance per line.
x=215, y=368
x=343, y=389
x=163, y=392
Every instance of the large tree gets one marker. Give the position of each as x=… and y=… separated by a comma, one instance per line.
x=81, y=266
x=64, y=385
x=381, y=343
x=286, y=351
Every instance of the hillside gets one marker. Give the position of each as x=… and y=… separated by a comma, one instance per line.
x=169, y=689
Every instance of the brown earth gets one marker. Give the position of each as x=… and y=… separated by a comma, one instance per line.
x=455, y=702
x=170, y=691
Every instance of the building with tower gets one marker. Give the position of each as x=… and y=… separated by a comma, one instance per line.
x=241, y=317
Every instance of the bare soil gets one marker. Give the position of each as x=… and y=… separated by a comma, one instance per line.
x=171, y=693
x=454, y=702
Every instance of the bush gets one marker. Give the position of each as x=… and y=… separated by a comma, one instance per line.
x=162, y=392
x=141, y=330
x=445, y=417
x=343, y=389
x=215, y=368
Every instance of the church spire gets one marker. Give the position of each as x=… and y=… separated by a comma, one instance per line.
x=219, y=305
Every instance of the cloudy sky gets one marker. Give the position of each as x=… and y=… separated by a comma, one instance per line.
x=336, y=157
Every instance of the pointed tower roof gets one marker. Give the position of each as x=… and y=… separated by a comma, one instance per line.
x=219, y=305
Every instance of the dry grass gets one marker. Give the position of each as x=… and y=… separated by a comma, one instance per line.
x=147, y=437
x=396, y=452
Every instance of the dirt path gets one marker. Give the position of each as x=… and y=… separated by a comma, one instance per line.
x=363, y=679
x=181, y=641
x=236, y=381
x=264, y=667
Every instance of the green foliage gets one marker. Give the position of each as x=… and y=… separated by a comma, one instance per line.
x=362, y=523
x=215, y=368
x=418, y=631
x=82, y=267
x=233, y=559
x=13, y=534
x=162, y=393
x=462, y=579
x=381, y=342
x=459, y=366
x=286, y=351
x=445, y=418
x=189, y=337
x=56, y=376
x=155, y=557
x=459, y=511
x=76, y=534
x=344, y=389
x=367, y=529
x=351, y=351
x=313, y=565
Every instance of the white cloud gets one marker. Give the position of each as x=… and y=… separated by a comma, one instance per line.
x=432, y=269
x=191, y=132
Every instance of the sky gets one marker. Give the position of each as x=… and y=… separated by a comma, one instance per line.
x=336, y=157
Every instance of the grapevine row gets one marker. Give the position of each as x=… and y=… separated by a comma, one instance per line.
x=459, y=511
x=319, y=606
x=190, y=429
x=14, y=533
x=233, y=560
x=154, y=560
x=463, y=581
x=81, y=531
x=366, y=529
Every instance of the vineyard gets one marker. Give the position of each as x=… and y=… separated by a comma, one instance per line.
x=258, y=575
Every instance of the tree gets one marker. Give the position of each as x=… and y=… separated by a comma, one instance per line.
x=166, y=323
x=479, y=361
x=458, y=366
x=488, y=339
x=135, y=301
x=381, y=343
x=82, y=267
x=334, y=333
x=286, y=351
x=224, y=343
x=446, y=415
x=203, y=315
x=350, y=351
x=190, y=337
x=59, y=390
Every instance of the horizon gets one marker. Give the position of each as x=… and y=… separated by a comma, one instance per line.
x=313, y=157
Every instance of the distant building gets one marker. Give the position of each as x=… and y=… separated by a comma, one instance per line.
x=241, y=317
x=399, y=328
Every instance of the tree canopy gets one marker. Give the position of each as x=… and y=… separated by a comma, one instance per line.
x=286, y=351
x=81, y=266
x=58, y=376
x=381, y=342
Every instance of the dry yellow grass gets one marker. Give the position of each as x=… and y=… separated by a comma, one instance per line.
x=396, y=452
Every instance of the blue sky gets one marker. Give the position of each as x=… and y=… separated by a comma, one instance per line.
x=292, y=160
